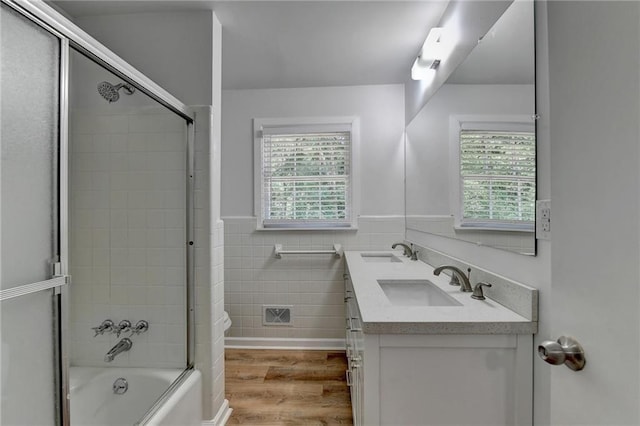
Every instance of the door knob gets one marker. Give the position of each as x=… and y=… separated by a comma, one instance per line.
x=566, y=350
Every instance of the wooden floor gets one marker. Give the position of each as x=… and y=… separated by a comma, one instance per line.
x=287, y=387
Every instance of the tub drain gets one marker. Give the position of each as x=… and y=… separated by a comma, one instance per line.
x=120, y=386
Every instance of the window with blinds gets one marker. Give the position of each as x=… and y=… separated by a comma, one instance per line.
x=306, y=178
x=498, y=179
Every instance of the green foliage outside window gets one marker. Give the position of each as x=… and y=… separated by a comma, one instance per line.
x=498, y=176
x=307, y=176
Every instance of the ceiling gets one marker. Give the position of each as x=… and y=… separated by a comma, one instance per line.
x=286, y=44
x=306, y=44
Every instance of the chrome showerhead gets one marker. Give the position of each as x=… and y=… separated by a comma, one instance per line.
x=110, y=92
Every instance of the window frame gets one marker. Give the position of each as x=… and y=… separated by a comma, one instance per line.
x=457, y=123
x=328, y=124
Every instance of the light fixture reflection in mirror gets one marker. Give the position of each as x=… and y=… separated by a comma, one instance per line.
x=492, y=94
x=427, y=62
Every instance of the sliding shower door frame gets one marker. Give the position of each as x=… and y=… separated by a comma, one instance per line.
x=56, y=23
x=71, y=36
x=62, y=308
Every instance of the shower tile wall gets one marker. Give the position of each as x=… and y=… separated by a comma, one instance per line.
x=312, y=284
x=209, y=275
x=127, y=224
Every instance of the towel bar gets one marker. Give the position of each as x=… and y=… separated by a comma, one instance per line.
x=278, y=252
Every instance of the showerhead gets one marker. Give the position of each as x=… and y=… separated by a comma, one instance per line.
x=110, y=92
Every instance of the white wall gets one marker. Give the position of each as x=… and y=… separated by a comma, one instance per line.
x=173, y=49
x=212, y=133
x=313, y=285
x=380, y=109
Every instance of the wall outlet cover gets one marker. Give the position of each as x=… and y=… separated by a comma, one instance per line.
x=543, y=219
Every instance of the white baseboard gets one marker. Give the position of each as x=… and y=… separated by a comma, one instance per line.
x=221, y=417
x=283, y=343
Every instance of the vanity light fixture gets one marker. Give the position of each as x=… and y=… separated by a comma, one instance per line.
x=430, y=56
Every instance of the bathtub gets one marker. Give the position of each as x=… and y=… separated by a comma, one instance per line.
x=93, y=401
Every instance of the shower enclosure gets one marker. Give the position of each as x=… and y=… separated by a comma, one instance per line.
x=97, y=222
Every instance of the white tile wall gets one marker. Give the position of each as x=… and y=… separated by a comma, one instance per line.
x=127, y=225
x=217, y=320
x=208, y=242
x=312, y=284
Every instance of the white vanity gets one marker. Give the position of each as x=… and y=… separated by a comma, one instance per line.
x=421, y=352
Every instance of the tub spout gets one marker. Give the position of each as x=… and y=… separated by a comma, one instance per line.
x=122, y=346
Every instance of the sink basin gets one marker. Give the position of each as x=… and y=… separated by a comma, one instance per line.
x=416, y=293
x=380, y=257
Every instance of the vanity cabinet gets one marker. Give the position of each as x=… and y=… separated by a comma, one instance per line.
x=354, y=340
x=416, y=378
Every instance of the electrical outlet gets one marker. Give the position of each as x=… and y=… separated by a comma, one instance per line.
x=543, y=219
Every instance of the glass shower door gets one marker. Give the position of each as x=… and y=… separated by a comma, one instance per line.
x=29, y=233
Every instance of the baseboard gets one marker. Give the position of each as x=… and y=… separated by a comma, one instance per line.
x=283, y=343
x=221, y=417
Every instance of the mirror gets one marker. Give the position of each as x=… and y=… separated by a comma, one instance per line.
x=470, y=150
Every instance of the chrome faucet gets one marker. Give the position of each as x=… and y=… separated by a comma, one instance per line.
x=408, y=251
x=106, y=326
x=478, y=294
x=123, y=326
x=140, y=327
x=457, y=277
x=122, y=346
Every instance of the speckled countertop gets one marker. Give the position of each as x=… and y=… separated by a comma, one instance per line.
x=380, y=316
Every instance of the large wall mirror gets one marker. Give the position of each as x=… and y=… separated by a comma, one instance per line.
x=470, y=151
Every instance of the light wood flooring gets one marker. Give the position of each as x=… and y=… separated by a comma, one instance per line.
x=287, y=387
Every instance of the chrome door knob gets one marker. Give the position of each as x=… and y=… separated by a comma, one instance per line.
x=566, y=350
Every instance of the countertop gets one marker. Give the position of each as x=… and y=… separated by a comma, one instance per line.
x=379, y=316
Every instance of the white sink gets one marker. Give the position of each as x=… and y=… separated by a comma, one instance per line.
x=380, y=257
x=416, y=293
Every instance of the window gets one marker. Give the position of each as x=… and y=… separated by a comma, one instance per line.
x=304, y=173
x=497, y=175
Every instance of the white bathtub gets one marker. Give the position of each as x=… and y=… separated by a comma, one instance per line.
x=93, y=401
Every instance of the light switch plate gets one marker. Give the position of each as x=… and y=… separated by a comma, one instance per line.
x=543, y=219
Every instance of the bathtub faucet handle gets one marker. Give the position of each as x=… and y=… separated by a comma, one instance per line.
x=123, y=326
x=140, y=327
x=106, y=326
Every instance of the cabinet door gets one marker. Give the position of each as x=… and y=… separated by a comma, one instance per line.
x=355, y=393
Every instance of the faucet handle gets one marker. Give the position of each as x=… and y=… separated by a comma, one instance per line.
x=454, y=280
x=140, y=327
x=477, y=291
x=106, y=326
x=123, y=326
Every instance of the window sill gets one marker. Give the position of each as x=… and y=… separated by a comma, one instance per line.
x=277, y=229
x=463, y=228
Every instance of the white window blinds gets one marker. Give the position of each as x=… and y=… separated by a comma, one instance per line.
x=306, y=178
x=498, y=176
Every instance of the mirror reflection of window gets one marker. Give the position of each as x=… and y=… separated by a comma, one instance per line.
x=497, y=178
